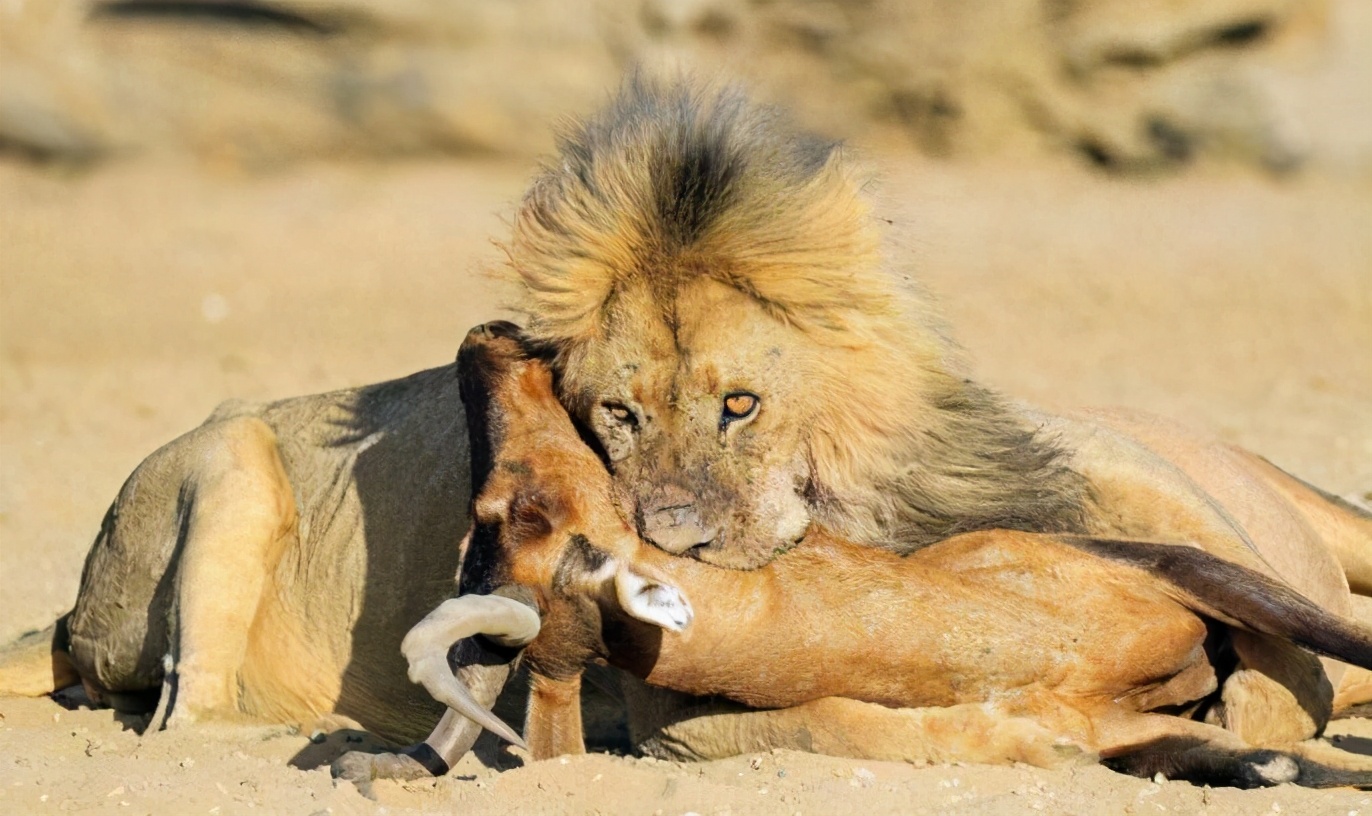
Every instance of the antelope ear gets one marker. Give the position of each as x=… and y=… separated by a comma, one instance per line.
x=652, y=601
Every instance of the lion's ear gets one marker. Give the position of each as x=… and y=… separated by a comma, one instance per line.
x=652, y=601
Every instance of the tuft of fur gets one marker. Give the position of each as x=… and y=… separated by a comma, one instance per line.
x=670, y=184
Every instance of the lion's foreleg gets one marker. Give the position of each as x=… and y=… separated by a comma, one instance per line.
x=978, y=732
x=240, y=516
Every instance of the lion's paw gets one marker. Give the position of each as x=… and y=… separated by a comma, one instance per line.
x=1037, y=746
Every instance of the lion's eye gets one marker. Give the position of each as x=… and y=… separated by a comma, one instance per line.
x=622, y=414
x=739, y=405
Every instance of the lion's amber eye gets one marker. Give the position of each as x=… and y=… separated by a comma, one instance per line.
x=621, y=414
x=739, y=406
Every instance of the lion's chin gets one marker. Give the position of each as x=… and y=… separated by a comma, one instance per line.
x=731, y=555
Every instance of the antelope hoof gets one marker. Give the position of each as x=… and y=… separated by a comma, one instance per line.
x=362, y=769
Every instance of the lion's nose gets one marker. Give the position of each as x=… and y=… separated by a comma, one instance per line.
x=671, y=521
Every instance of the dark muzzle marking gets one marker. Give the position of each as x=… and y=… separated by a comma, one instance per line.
x=580, y=559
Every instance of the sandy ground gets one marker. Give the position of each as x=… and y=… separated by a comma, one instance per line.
x=135, y=298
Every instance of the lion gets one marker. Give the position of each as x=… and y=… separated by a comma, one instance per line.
x=729, y=323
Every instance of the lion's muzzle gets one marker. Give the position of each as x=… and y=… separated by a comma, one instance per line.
x=671, y=520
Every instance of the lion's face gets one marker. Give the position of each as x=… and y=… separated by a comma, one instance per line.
x=699, y=415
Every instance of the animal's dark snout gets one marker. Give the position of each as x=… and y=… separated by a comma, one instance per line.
x=490, y=346
x=495, y=330
x=500, y=328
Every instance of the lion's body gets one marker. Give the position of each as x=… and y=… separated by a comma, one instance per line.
x=1155, y=479
x=277, y=554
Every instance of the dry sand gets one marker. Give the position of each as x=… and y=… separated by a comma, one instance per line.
x=134, y=299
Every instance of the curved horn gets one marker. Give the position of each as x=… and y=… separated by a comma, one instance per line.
x=507, y=622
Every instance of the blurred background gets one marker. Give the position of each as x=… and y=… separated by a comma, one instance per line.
x=1165, y=204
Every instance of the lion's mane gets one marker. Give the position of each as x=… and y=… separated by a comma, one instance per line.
x=669, y=183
